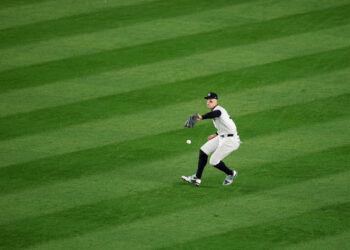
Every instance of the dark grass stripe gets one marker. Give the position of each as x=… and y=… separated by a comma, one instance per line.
x=316, y=224
x=85, y=65
x=168, y=94
x=135, y=152
x=280, y=119
x=86, y=218
x=105, y=19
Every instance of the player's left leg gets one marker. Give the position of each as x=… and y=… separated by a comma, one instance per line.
x=226, y=146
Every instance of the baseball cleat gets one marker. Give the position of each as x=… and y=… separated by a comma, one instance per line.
x=192, y=179
x=229, y=178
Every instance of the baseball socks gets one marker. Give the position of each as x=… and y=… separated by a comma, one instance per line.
x=221, y=166
x=202, y=161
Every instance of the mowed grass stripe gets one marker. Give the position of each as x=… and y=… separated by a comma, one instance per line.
x=119, y=155
x=151, y=31
x=275, y=204
x=91, y=191
x=84, y=216
x=172, y=48
x=316, y=224
x=224, y=60
x=264, y=171
x=103, y=87
x=154, y=121
x=12, y=3
x=124, y=103
x=103, y=132
x=339, y=241
x=104, y=19
x=49, y=10
x=98, y=185
x=165, y=170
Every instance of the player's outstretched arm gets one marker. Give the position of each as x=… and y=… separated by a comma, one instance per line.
x=211, y=114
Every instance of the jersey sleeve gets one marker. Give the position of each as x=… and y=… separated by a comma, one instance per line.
x=212, y=114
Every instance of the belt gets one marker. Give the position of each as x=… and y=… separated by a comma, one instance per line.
x=227, y=135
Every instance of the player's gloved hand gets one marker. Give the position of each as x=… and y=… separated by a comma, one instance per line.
x=191, y=121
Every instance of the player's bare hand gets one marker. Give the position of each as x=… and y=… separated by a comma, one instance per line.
x=199, y=117
x=211, y=137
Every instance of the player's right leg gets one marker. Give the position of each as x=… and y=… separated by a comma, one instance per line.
x=208, y=148
x=192, y=179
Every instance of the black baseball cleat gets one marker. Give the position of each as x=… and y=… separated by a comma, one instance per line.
x=229, y=178
x=192, y=179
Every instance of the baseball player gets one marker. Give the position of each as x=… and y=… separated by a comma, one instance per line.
x=220, y=144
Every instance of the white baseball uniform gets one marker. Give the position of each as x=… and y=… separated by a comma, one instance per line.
x=227, y=140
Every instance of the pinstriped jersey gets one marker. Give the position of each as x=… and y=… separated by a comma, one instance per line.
x=224, y=124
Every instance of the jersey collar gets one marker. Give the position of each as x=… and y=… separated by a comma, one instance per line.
x=214, y=107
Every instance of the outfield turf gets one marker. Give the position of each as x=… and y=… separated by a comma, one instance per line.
x=94, y=96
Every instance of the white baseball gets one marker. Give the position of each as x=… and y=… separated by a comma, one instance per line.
x=188, y=141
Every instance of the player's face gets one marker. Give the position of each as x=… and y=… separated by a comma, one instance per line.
x=211, y=103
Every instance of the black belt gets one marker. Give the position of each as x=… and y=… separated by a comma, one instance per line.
x=228, y=135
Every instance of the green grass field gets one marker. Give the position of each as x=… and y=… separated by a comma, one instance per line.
x=94, y=96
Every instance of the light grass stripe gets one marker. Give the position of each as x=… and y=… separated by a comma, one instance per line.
x=102, y=132
x=293, y=92
x=146, y=32
x=104, y=19
x=247, y=211
x=293, y=144
x=335, y=242
x=49, y=10
x=64, y=195
x=113, y=82
x=69, y=194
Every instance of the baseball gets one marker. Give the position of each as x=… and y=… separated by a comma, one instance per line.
x=188, y=141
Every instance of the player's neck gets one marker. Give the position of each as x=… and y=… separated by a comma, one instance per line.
x=214, y=107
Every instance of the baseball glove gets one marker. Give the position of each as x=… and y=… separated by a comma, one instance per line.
x=191, y=121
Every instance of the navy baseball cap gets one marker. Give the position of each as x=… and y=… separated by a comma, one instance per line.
x=211, y=95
